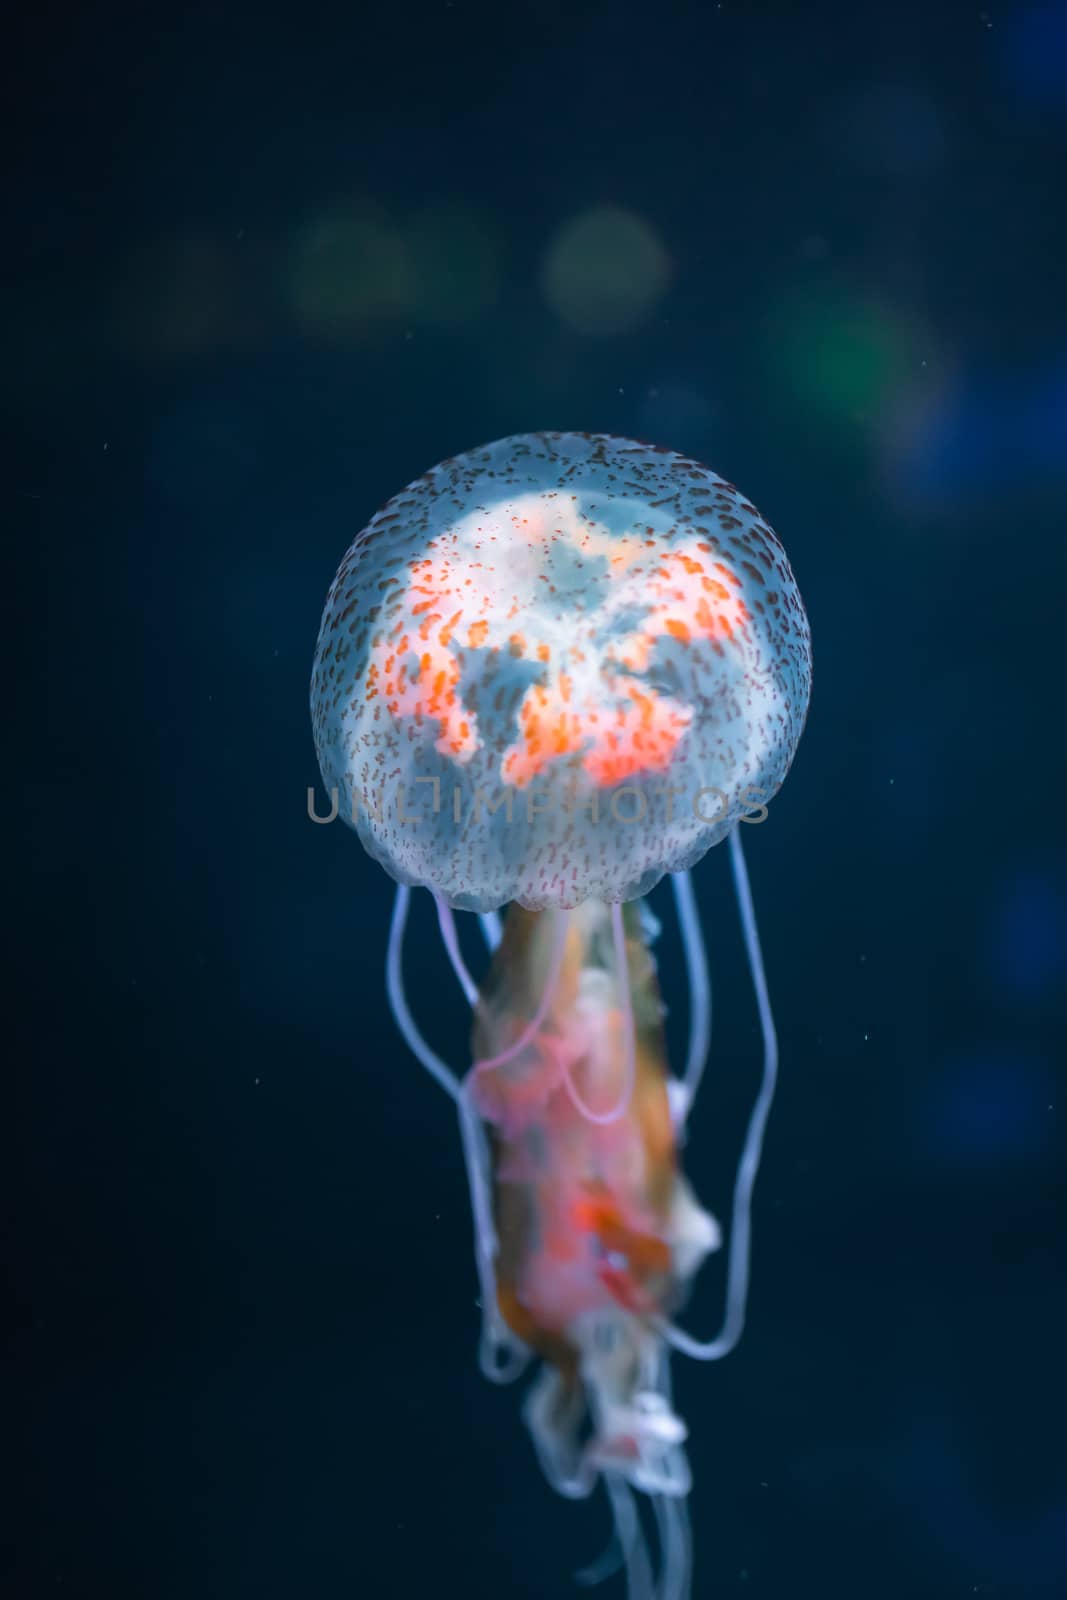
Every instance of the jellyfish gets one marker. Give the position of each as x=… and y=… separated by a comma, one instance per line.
x=550, y=673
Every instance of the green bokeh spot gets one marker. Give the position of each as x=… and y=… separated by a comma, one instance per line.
x=842, y=356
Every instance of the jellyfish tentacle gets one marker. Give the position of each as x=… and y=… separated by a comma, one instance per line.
x=553, y=1415
x=492, y=929
x=737, y=1273
x=622, y=978
x=605, y=1566
x=501, y=1356
x=639, y=1580
x=394, y=983
x=684, y=1091
x=675, y=1541
x=676, y=1556
x=450, y=939
x=548, y=994
x=496, y=1337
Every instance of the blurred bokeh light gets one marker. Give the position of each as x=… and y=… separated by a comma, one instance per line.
x=1034, y=52
x=842, y=355
x=1029, y=933
x=604, y=271
x=988, y=1106
x=976, y=435
x=350, y=273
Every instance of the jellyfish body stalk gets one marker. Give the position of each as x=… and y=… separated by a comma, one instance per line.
x=566, y=1069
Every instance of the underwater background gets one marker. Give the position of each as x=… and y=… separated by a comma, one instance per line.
x=263, y=268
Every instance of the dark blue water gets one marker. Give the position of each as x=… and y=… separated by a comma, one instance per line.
x=260, y=274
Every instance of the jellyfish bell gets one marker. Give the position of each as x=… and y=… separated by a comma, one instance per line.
x=555, y=668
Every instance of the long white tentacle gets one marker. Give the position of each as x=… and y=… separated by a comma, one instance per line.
x=501, y=1356
x=737, y=1275
x=684, y=1092
x=450, y=939
x=629, y=1043
x=394, y=984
